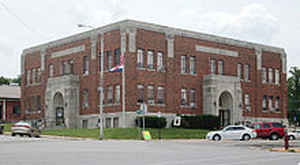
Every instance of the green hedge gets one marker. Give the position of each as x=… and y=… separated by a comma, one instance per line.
x=200, y=122
x=151, y=122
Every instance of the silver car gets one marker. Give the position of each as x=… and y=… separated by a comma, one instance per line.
x=238, y=132
x=294, y=135
x=25, y=128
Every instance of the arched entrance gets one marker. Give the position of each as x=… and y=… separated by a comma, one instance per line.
x=59, y=109
x=225, y=108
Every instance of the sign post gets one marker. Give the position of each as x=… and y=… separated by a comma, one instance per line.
x=143, y=107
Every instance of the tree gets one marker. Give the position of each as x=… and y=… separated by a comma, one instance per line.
x=293, y=85
x=17, y=80
x=4, y=81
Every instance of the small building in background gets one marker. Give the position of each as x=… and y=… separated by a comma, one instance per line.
x=10, y=103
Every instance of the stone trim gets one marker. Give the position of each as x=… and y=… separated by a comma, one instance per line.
x=68, y=51
x=170, y=39
x=43, y=59
x=258, y=53
x=212, y=50
x=23, y=63
x=93, y=41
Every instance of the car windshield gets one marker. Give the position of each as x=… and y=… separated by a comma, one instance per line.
x=22, y=123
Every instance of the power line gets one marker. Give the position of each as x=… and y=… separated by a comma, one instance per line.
x=20, y=20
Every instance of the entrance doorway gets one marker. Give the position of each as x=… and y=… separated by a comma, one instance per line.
x=59, y=110
x=225, y=108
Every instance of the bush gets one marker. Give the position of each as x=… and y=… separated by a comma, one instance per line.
x=151, y=122
x=200, y=122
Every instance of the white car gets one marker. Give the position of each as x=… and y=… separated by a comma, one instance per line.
x=238, y=132
x=294, y=135
x=24, y=128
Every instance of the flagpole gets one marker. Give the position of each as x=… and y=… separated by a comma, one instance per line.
x=123, y=50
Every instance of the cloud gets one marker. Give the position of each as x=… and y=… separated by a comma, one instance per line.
x=252, y=23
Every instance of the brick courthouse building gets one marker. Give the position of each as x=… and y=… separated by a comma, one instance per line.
x=171, y=70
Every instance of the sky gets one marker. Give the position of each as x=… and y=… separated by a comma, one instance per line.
x=28, y=23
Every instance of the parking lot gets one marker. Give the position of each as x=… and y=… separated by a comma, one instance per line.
x=19, y=150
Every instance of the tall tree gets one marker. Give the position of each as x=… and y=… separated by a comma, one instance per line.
x=293, y=85
x=4, y=81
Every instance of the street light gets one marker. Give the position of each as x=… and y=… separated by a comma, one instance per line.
x=100, y=89
x=159, y=125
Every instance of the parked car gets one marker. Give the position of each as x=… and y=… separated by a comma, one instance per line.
x=25, y=128
x=294, y=135
x=271, y=130
x=238, y=132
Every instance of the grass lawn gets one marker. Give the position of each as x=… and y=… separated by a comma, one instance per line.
x=7, y=127
x=129, y=133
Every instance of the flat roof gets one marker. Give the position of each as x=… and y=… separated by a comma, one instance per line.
x=11, y=92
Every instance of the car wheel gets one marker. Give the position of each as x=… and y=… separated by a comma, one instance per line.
x=29, y=135
x=274, y=136
x=21, y=135
x=246, y=137
x=291, y=137
x=216, y=137
x=13, y=134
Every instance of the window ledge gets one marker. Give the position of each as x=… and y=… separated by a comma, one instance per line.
x=139, y=68
x=150, y=69
x=32, y=85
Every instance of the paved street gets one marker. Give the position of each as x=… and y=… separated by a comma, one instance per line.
x=30, y=151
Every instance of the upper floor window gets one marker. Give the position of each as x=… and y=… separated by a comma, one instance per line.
x=140, y=58
x=160, y=95
x=33, y=76
x=150, y=94
x=28, y=77
x=193, y=98
x=117, y=57
x=110, y=95
x=247, y=75
x=51, y=70
x=213, y=66
x=160, y=61
x=221, y=67
x=39, y=75
x=150, y=57
x=85, y=98
x=117, y=94
x=270, y=75
x=183, y=97
x=239, y=71
x=277, y=77
x=140, y=93
x=85, y=65
x=270, y=103
x=192, y=65
x=109, y=59
x=183, y=64
x=264, y=75
x=264, y=103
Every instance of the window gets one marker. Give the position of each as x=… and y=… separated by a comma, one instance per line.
x=160, y=95
x=247, y=102
x=277, y=77
x=270, y=103
x=39, y=76
x=116, y=122
x=28, y=77
x=61, y=68
x=108, y=122
x=221, y=67
x=68, y=67
x=266, y=125
x=270, y=75
x=183, y=64
x=192, y=65
x=150, y=94
x=264, y=103
x=277, y=125
x=239, y=71
x=38, y=102
x=84, y=123
x=33, y=76
x=160, y=62
x=193, y=98
x=264, y=75
x=183, y=97
x=85, y=65
x=140, y=93
x=117, y=94
x=247, y=68
x=109, y=59
x=213, y=66
x=140, y=58
x=117, y=57
x=110, y=95
x=16, y=110
x=85, y=98
x=51, y=70
x=150, y=60
x=277, y=104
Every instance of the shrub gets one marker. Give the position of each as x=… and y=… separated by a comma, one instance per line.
x=151, y=122
x=200, y=122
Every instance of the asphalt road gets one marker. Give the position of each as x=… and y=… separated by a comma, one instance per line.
x=44, y=151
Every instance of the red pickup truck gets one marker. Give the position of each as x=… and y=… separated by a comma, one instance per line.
x=271, y=130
